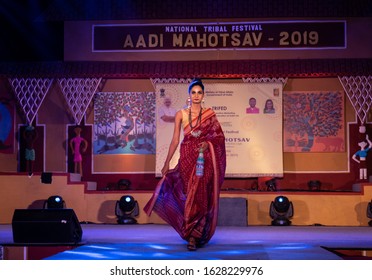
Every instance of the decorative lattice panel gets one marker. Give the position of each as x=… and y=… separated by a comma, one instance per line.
x=169, y=81
x=359, y=91
x=30, y=93
x=283, y=81
x=78, y=94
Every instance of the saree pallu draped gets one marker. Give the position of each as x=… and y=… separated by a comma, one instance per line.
x=186, y=202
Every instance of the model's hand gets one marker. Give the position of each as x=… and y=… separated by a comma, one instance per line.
x=165, y=169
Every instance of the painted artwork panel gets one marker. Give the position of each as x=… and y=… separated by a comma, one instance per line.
x=124, y=123
x=6, y=128
x=314, y=122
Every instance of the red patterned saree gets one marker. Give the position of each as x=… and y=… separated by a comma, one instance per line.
x=186, y=202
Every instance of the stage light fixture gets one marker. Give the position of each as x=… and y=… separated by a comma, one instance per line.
x=271, y=185
x=54, y=202
x=124, y=184
x=314, y=185
x=126, y=209
x=369, y=213
x=281, y=210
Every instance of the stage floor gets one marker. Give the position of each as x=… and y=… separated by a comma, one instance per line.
x=161, y=242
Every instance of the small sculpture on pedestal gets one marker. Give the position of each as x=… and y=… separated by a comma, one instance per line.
x=362, y=155
x=30, y=135
x=78, y=146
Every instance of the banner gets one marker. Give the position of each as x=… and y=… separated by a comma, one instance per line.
x=219, y=35
x=251, y=118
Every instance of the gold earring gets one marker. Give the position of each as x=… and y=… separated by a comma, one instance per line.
x=189, y=102
x=203, y=103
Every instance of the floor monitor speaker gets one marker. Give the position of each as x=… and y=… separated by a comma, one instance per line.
x=46, y=226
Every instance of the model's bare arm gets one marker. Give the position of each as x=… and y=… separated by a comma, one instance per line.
x=174, y=143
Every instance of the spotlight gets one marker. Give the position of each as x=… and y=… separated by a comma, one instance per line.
x=126, y=209
x=314, y=185
x=54, y=202
x=124, y=184
x=271, y=185
x=369, y=213
x=281, y=210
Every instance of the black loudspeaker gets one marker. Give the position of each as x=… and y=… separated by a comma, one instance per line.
x=46, y=226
